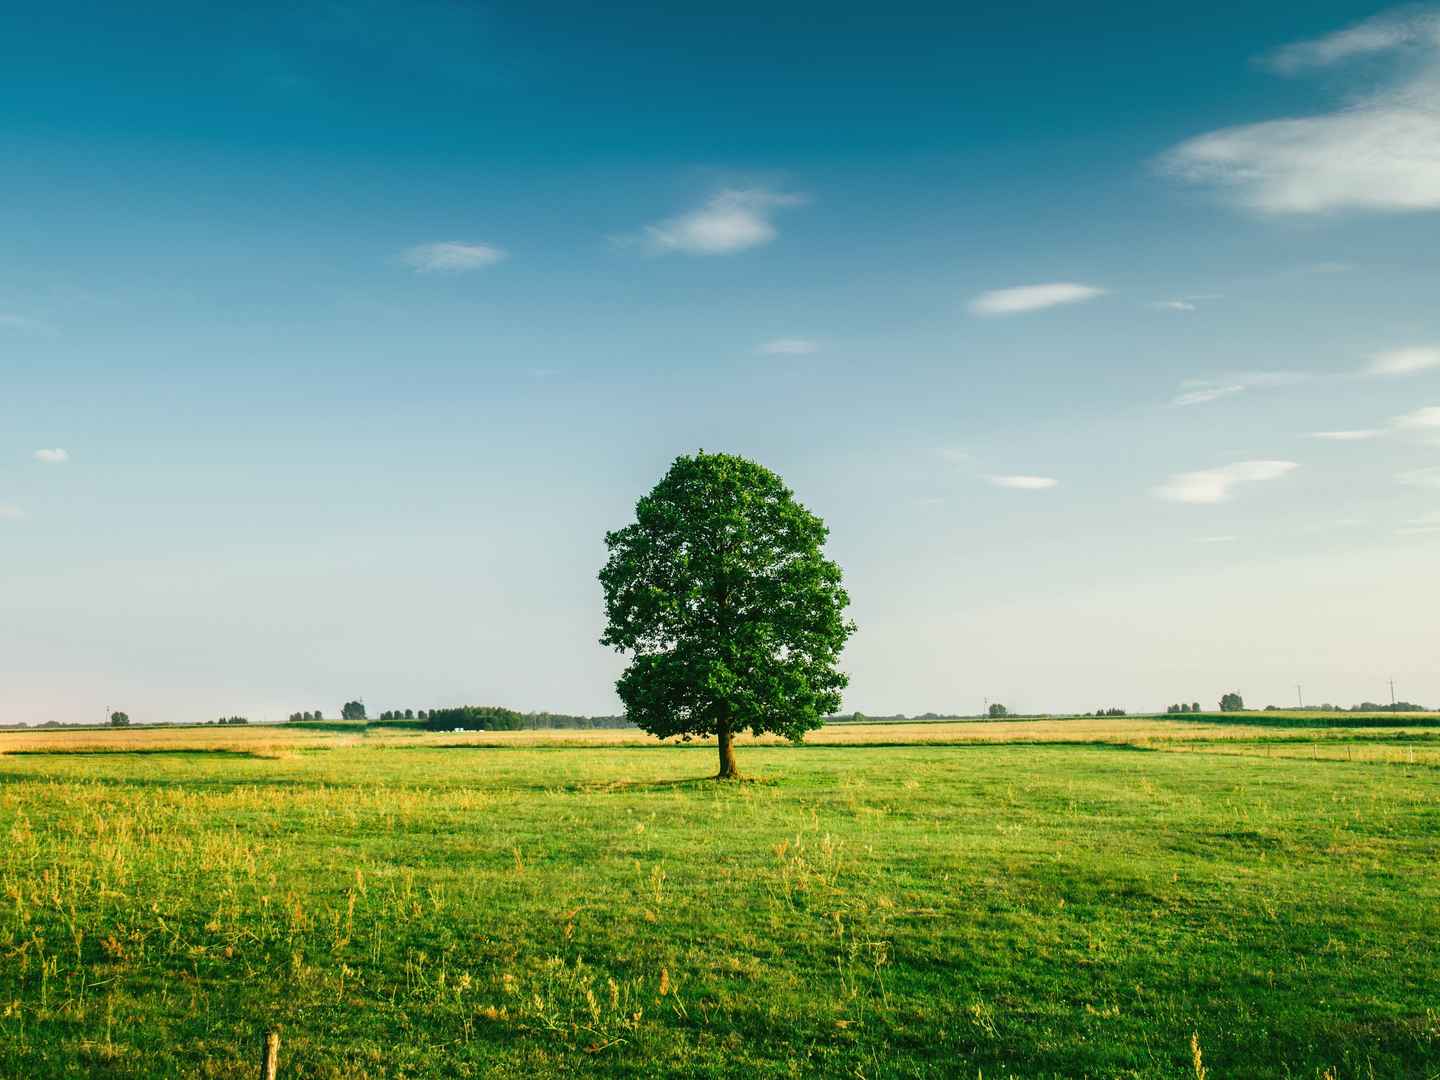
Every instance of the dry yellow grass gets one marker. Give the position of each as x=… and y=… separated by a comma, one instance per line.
x=267, y=740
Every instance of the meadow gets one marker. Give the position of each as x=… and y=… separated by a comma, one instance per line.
x=1131, y=897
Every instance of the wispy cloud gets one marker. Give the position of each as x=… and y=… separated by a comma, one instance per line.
x=11, y=512
x=1217, y=485
x=1199, y=392
x=1408, y=26
x=956, y=455
x=1025, y=298
x=1226, y=539
x=1422, y=421
x=23, y=324
x=789, y=347
x=1425, y=523
x=53, y=456
x=1023, y=483
x=1173, y=305
x=1203, y=391
x=1428, y=477
x=1379, y=152
x=734, y=220
x=1427, y=417
x=452, y=256
x=1356, y=435
x=1407, y=361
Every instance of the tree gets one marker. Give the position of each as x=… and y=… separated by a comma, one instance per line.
x=1194, y=706
x=353, y=710
x=733, y=617
x=997, y=710
x=119, y=719
x=409, y=714
x=1232, y=702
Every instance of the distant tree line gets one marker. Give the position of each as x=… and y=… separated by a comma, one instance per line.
x=119, y=719
x=472, y=718
x=499, y=718
x=1107, y=712
x=1194, y=706
x=1231, y=702
x=231, y=720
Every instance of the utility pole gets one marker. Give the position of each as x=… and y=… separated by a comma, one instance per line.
x=1392, y=691
x=1299, y=695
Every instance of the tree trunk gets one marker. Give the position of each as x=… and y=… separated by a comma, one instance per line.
x=728, y=771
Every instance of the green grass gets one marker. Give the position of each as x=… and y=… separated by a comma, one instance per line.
x=1029, y=910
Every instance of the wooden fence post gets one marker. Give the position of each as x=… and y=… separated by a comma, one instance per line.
x=270, y=1062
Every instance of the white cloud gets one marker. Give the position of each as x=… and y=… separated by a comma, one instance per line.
x=1380, y=152
x=24, y=324
x=1025, y=298
x=1201, y=393
x=1173, y=305
x=452, y=257
x=1428, y=477
x=55, y=456
x=1216, y=485
x=1357, y=435
x=1408, y=361
x=1024, y=483
x=1428, y=417
x=733, y=221
x=1382, y=33
x=1425, y=523
x=955, y=455
x=789, y=347
x=11, y=512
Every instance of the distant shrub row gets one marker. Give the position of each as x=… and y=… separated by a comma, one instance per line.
x=1364, y=706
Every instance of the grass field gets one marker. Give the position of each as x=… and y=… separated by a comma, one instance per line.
x=1083, y=898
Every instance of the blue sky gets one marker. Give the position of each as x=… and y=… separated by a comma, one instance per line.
x=334, y=336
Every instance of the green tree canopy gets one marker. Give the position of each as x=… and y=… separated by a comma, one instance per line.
x=733, y=616
x=1231, y=702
